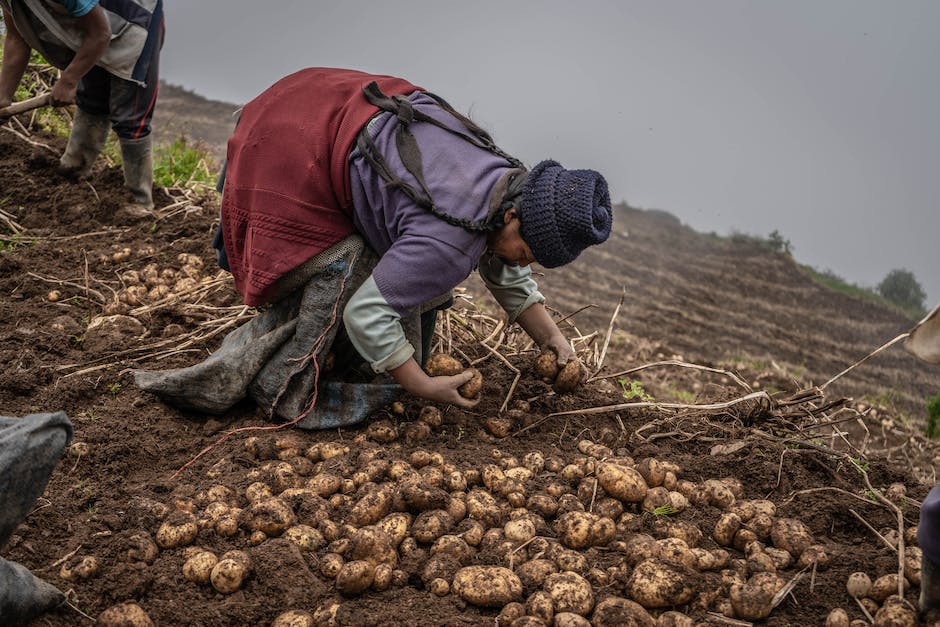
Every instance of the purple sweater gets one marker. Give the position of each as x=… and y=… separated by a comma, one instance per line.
x=422, y=256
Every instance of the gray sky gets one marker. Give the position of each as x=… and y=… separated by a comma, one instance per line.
x=817, y=119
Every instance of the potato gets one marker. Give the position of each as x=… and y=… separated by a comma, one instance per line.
x=578, y=530
x=546, y=366
x=727, y=525
x=396, y=526
x=652, y=471
x=752, y=600
x=622, y=482
x=442, y=364
x=125, y=615
x=540, y=605
x=640, y=547
x=272, y=516
x=913, y=560
x=487, y=586
x=355, y=577
x=454, y=546
x=228, y=575
x=814, y=556
x=142, y=548
x=419, y=497
x=837, y=618
x=294, y=618
x=570, y=619
x=570, y=592
x=431, y=416
x=382, y=578
x=431, y=525
x=331, y=564
x=86, y=568
x=373, y=545
x=674, y=619
x=483, y=507
x=510, y=612
x=615, y=611
x=895, y=613
x=884, y=586
x=473, y=387
x=198, y=568
x=373, y=506
x=533, y=573
x=791, y=535
x=569, y=378
x=656, y=584
x=305, y=537
x=179, y=529
x=439, y=587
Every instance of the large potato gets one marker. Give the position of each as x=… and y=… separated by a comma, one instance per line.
x=569, y=378
x=791, y=535
x=895, y=613
x=373, y=545
x=656, y=584
x=570, y=592
x=487, y=586
x=622, y=482
x=454, y=546
x=179, y=529
x=616, y=611
x=431, y=525
x=305, y=537
x=272, y=516
x=483, y=507
x=419, y=497
x=533, y=573
x=374, y=506
x=396, y=526
x=578, y=530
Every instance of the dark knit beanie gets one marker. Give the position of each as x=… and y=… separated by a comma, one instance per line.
x=562, y=212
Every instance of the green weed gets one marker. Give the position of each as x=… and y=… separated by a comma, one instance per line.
x=933, y=417
x=182, y=163
x=634, y=390
x=665, y=510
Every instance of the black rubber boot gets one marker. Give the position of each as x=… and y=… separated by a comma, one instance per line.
x=86, y=141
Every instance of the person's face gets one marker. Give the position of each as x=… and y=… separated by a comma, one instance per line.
x=507, y=243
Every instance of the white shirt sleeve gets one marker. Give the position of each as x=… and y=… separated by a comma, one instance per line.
x=511, y=286
x=375, y=330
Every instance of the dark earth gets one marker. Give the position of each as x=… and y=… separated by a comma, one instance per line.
x=727, y=304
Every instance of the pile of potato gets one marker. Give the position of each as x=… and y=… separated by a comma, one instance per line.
x=595, y=538
x=153, y=283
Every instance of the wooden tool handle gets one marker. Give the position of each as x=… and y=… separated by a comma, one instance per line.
x=25, y=105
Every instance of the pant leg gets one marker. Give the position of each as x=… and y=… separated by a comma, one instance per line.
x=94, y=92
x=131, y=104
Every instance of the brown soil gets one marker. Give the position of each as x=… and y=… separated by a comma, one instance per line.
x=712, y=302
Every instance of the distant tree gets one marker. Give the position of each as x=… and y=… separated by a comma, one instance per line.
x=779, y=243
x=901, y=288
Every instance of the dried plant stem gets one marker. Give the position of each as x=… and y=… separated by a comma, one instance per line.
x=706, y=407
x=610, y=330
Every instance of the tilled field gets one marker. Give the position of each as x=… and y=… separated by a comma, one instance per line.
x=534, y=508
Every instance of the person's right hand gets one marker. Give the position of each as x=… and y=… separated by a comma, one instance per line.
x=443, y=389
x=64, y=91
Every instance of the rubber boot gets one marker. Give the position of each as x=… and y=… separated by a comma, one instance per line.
x=86, y=141
x=929, y=586
x=137, y=155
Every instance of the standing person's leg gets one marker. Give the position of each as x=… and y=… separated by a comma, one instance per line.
x=928, y=537
x=91, y=125
x=30, y=448
x=132, y=108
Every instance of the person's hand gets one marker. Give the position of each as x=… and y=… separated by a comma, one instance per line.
x=63, y=92
x=560, y=345
x=444, y=390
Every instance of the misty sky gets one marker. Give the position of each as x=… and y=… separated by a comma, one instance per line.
x=817, y=119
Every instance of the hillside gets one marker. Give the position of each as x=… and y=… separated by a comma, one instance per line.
x=821, y=487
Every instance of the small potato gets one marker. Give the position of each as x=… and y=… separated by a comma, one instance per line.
x=431, y=525
x=837, y=618
x=570, y=619
x=540, y=606
x=331, y=564
x=373, y=506
x=432, y=416
x=442, y=364
x=487, y=586
x=355, y=577
x=546, y=366
x=125, y=615
x=198, y=568
x=533, y=573
x=179, y=529
x=569, y=378
x=294, y=618
x=473, y=387
x=86, y=568
x=727, y=525
x=142, y=548
x=510, y=612
x=228, y=575
x=439, y=587
x=382, y=578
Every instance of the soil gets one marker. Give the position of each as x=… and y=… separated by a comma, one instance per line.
x=686, y=297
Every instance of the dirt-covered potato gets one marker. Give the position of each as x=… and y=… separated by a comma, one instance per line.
x=655, y=583
x=483, y=507
x=791, y=535
x=578, y=530
x=884, y=586
x=913, y=560
x=570, y=619
x=473, y=387
x=816, y=556
x=228, y=575
x=510, y=612
x=294, y=618
x=419, y=497
x=373, y=545
x=487, y=586
x=305, y=537
x=615, y=611
x=895, y=613
x=837, y=618
x=727, y=525
x=519, y=531
x=622, y=482
x=752, y=600
x=125, y=615
x=179, y=529
x=331, y=564
x=442, y=365
x=539, y=605
x=355, y=577
x=373, y=506
x=569, y=378
x=396, y=526
x=570, y=592
x=142, y=548
x=431, y=525
x=198, y=568
x=533, y=573
x=674, y=619
x=272, y=516
x=84, y=568
x=546, y=366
